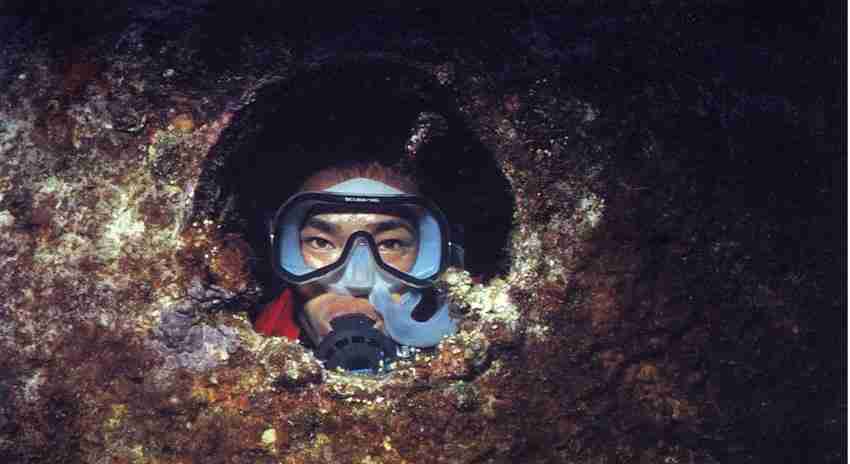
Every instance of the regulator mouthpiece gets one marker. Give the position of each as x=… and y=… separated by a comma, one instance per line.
x=356, y=345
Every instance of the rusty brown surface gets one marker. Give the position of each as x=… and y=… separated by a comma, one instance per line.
x=666, y=299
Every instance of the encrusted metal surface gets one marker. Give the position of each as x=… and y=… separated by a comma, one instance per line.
x=645, y=314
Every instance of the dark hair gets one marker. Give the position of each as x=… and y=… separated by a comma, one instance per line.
x=396, y=177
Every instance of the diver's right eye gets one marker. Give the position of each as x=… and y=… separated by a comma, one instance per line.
x=318, y=243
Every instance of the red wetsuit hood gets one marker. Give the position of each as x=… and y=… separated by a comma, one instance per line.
x=277, y=318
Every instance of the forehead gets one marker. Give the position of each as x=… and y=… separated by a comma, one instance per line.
x=357, y=219
x=365, y=211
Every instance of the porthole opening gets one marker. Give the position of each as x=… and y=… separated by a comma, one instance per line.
x=356, y=112
x=350, y=112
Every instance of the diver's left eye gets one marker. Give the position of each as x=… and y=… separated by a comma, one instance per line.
x=392, y=245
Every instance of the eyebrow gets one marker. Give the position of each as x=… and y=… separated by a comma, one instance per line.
x=392, y=224
x=324, y=226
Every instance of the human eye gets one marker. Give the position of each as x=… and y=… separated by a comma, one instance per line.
x=318, y=243
x=394, y=245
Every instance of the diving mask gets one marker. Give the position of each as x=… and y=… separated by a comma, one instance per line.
x=364, y=263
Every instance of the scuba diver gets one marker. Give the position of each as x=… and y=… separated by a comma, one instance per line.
x=357, y=241
x=360, y=249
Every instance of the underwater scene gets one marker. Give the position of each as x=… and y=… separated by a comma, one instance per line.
x=521, y=232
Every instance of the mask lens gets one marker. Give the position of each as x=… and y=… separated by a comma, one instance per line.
x=399, y=246
x=313, y=231
x=395, y=232
x=318, y=252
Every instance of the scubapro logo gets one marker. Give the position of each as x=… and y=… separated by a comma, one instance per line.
x=362, y=200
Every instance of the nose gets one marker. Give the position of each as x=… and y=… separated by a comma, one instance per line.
x=359, y=277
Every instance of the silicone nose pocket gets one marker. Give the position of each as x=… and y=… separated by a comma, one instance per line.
x=359, y=275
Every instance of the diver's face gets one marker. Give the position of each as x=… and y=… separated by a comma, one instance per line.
x=323, y=237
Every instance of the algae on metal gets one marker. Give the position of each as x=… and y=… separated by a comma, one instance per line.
x=614, y=333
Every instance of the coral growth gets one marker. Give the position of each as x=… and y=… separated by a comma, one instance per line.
x=662, y=299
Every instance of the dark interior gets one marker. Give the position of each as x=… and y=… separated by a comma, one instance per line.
x=350, y=112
